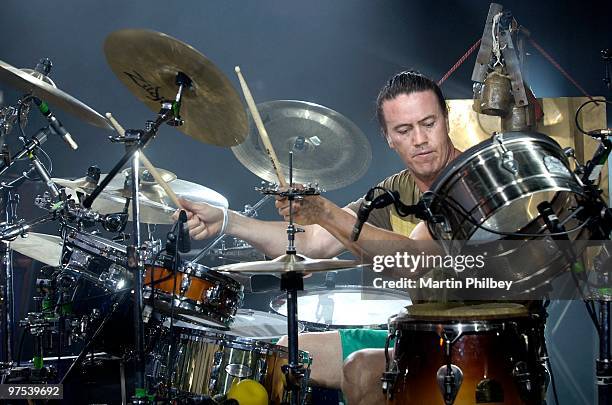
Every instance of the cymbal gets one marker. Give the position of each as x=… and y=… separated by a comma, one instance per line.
x=328, y=148
x=156, y=207
x=147, y=62
x=291, y=263
x=44, y=248
x=28, y=83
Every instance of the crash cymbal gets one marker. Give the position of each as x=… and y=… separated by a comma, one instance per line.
x=290, y=263
x=44, y=248
x=328, y=148
x=147, y=62
x=27, y=83
x=156, y=207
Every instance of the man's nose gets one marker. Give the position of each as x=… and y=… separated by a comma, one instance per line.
x=419, y=137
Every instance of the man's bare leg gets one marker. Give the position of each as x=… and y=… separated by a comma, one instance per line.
x=326, y=351
x=361, y=377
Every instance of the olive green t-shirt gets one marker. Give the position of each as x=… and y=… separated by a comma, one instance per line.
x=387, y=218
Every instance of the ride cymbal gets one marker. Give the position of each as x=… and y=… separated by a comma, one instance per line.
x=148, y=62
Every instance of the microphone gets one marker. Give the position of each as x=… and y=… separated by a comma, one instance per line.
x=55, y=124
x=600, y=133
x=13, y=231
x=362, y=215
x=184, y=241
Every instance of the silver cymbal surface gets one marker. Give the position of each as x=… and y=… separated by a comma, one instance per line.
x=291, y=263
x=328, y=148
x=28, y=83
x=44, y=248
x=156, y=206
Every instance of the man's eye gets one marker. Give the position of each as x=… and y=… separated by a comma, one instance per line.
x=430, y=124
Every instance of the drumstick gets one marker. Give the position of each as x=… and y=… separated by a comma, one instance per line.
x=261, y=129
x=147, y=164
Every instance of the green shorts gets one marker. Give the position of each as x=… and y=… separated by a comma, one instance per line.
x=356, y=339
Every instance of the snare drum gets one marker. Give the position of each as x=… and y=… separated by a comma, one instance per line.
x=208, y=363
x=344, y=307
x=207, y=296
x=487, y=353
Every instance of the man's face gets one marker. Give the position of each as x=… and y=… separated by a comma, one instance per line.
x=417, y=130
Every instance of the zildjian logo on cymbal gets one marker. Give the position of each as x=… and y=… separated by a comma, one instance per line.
x=153, y=91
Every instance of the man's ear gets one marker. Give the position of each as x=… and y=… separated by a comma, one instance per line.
x=447, y=125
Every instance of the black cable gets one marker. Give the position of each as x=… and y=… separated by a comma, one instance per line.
x=466, y=215
x=582, y=106
x=552, y=381
x=20, y=349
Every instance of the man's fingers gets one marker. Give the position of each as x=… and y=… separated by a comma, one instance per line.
x=197, y=230
x=193, y=222
x=201, y=235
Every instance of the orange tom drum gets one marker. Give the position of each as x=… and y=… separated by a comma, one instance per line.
x=205, y=295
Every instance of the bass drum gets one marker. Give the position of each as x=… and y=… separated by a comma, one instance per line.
x=344, y=307
x=454, y=354
x=492, y=190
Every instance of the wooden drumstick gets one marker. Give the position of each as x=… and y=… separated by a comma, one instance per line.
x=261, y=129
x=147, y=164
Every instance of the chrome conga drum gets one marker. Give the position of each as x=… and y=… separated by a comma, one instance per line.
x=492, y=192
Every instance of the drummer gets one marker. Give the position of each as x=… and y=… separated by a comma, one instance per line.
x=413, y=116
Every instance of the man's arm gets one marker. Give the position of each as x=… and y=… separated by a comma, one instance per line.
x=270, y=237
x=339, y=223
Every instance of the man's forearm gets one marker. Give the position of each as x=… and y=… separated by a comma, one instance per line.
x=270, y=237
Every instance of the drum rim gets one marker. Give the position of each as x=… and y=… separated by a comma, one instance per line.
x=459, y=327
x=204, y=272
x=469, y=153
x=313, y=326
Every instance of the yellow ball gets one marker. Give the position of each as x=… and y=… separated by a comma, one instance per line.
x=248, y=392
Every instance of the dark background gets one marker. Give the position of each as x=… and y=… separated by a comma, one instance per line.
x=333, y=53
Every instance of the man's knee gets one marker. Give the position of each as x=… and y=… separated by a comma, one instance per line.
x=364, y=367
x=326, y=351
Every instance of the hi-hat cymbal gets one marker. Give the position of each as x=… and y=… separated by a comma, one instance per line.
x=291, y=263
x=27, y=83
x=328, y=148
x=147, y=62
x=156, y=207
x=44, y=248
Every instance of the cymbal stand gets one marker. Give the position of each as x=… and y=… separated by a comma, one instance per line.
x=292, y=282
x=249, y=211
x=135, y=140
x=601, y=217
x=8, y=206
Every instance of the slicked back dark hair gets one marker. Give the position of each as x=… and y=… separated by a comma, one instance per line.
x=406, y=82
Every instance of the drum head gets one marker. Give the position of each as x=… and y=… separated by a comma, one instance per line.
x=248, y=323
x=345, y=306
x=461, y=312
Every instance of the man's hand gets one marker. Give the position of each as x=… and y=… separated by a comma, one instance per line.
x=203, y=219
x=307, y=211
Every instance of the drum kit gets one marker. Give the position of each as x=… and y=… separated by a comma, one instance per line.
x=183, y=326
x=187, y=336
